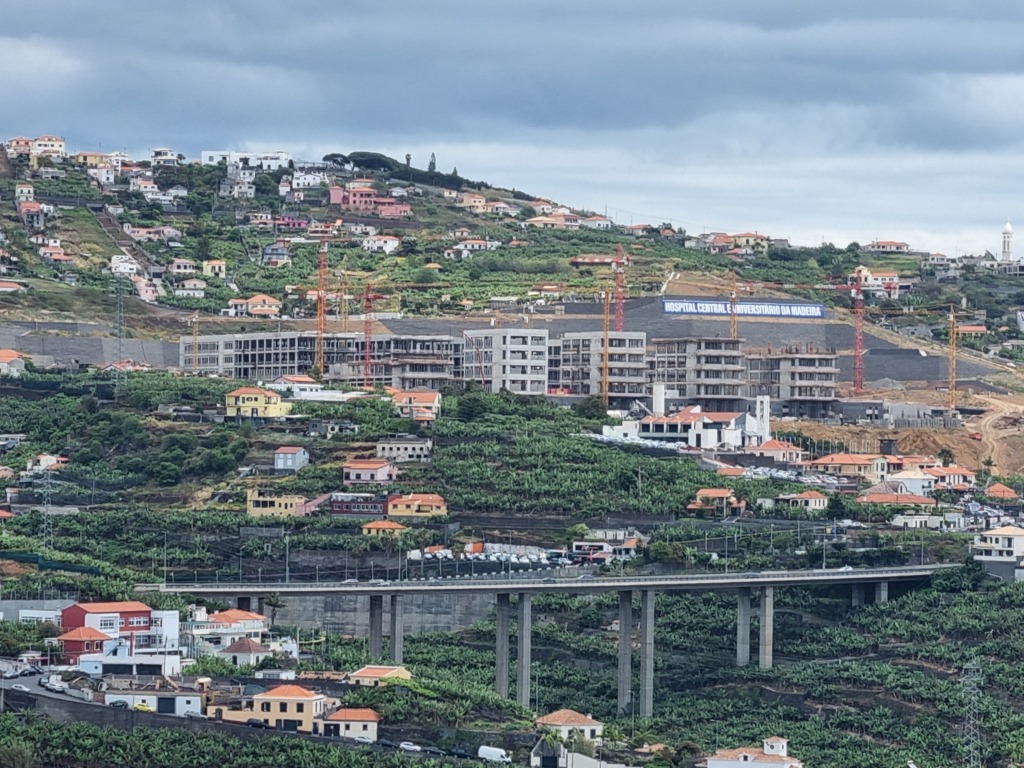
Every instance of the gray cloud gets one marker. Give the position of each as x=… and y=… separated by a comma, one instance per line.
x=802, y=119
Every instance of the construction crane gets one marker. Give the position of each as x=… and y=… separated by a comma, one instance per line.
x=194, y=322
x=734, y=326
x=368, y=298
x=605, y=355
x=321, y=307
x=619, y=267
x=343, y=298
x=856, y=290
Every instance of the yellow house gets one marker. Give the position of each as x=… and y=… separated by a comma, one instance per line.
x=286, y=708
x=260, y=502
x=253, y=402
x=91, y=159
x=383, y=528
x=374, y=675
x=417, y=505
x=215, y=268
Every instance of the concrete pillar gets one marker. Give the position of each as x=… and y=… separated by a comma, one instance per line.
x=857, y=596
x=397, y=629
x=882, y=592
x=743, y=627
x=524, y=657
x=647, y=653
x=766, y=648
x=376, y=626
x=502, y=614
x=625, y=652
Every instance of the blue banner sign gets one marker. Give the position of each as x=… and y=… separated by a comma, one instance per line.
x=769, y=309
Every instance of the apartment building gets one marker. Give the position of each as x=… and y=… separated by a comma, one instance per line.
x=711, y=372
x=581, y=364
x=801, y=381
x=514, y=359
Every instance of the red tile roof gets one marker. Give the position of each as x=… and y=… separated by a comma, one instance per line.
x=566, y=717
x=119, y=607
x=84, y=633
x=353, y=714
x=288, y=692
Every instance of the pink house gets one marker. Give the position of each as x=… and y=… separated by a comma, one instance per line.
x=395, y=211
x=337, y=194
x=362, y=471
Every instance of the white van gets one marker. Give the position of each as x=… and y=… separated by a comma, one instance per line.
x=493, y=755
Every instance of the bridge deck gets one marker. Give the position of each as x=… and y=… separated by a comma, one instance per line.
x=689, y=581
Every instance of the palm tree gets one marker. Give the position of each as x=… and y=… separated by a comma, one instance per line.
x=274, y=602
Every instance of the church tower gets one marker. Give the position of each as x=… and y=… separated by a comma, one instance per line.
x=1007, y=254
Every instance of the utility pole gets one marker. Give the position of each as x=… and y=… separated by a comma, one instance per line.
x=972, y=682
x=287, y=560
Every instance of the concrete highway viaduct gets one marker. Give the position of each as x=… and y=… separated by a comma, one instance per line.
x=745, y=585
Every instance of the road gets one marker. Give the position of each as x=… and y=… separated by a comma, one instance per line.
x=686, y=581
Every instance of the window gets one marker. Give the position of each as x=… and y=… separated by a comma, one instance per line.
x=348, y=727
x=300, y=707
x=366, y=727
x=283, y=706
x=265, y=706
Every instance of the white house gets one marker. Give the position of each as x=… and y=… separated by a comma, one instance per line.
x=917, y=481
x=166, y=701
x=245, y=652
x=299, y=385
x=349, y=722
x=773, y=753
x=565, y=722
x=597, y=222
x=696, y=428
x=386, y=244
x=1000, y=550
x=886, y=246
x=121, y=660
x=808, y=500
x=308, y=180
x=290, y=458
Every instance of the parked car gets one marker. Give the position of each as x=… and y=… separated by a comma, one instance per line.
x=360, y=739
x=585, y=577
x=382, y=583
x=436, y=751
x=460, y=752
x=19, y=687
x=408, y=746
x=195, y=715
x=387, y=744
x=143, y=707
x=255, y=722
x=57, y=686
x=120, y=704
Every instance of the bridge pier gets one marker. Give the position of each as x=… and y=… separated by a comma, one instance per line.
x=857, y=596
x=743, y=627
x=766, y=647
x=882, y=592
x=397, y=629
x=524, y=661
x=376, y=626
x=625, y=651
x=503, y=610
x=647, y=653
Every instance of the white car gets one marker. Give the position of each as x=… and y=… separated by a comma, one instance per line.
x=19, y=687
x=360, y=739
x=408, y=746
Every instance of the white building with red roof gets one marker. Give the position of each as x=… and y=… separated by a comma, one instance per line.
x=773, y=753
x=565, y=722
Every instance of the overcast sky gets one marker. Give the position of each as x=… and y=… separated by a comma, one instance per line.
x=802, y=119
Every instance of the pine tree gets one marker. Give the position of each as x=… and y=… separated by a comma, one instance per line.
x=432, y=165
x=455, y=171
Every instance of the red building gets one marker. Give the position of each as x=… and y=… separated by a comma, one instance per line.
x=87, y=626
